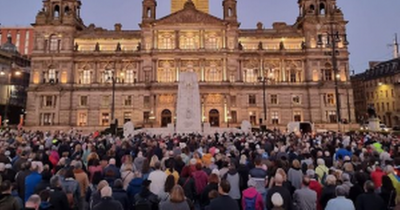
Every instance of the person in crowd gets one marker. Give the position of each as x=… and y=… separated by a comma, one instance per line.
x=120, y=195
x=33, y=202
x=32, y=180
x=233, y=177
x=45, y=182
x=83, y=180
x=145, y=199
x=377, y=174
x=321, y=171
x=305, y=198
x=157, y=178
x=213, y=181
x=187, y=182
x=388, y=192
x=277, y=202
x=95, y=167
x=176, y=200
x=358, y=187
x=169, y=184
x=71, y=188
x=7, y=201
x=107, y=202
x=284, y=192
x=95, y=198
x=58, y=198
x=20, y=178
x=224, y=201
x=171, y=171
x=369, y=200
x=127, y=175
x=200, y=179
x=328, y=192
x=251, y=199
x=295, y=175
x=111, y=172
x=340, y=202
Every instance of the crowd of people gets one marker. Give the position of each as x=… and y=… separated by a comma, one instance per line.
x=255, y=171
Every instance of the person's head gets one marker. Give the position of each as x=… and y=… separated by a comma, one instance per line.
x=177, y=194
x=55, y=181
x=198, y=166
x=389, y=169
x=169, y=183
x=320, y=162
x=6, y=187
x=278, y=179
x=33, y=202
x=45, y=195
x=251, y=183
x=213, y=178
x=102, y=184
x=224, y=187
x=146, y=183
x=345, y=177
x=369, y=186
x=97, y=177
x=157, y=165
x=282, y=173
x=330, y=180
x=34, y=167
x=277, y=200
x=69, y=173
x=112, y=161
x=212, y=194
x=387, y=183
x=296, y=163
x=106, y=192
x=118, y=184
x=306, y=181
x=340, y=191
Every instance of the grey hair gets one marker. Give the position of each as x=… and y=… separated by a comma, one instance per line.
x=78, y=165
x=55, y=181
x=340, y=191
x=35, y=199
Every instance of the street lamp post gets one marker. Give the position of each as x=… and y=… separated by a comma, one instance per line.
x=114, y=124
x=333, y=39
x=264, y=81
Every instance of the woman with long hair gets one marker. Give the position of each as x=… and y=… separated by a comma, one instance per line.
x=169, y=184
x=388, y=192
x=146, y=169
x=176, y=200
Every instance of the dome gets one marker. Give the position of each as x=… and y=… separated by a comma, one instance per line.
x=9, y=46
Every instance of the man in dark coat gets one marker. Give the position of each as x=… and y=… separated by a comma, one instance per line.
x=284, y=192
x=107, y=202
x=120, y=195
x=224, y=201
x=369, y=200
x=58, y=198
x=20, y=178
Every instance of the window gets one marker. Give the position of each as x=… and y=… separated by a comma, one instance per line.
x=47, y=119
x=128, y=101
x=83, y=101
x=105, y=119
x=250, y=75
x=328, y=75
x=275, y=118
x=188, y=42
x=54, y=43
x=292, y=76
x=213, y=74
x=233, y=100
x=127, y=117
x=130, y=76
x=167, y=42
x=274, y=99
x=297, y=116
x=107, y=76
x=52, y=75
x=233, y=117
x=394, y=106
x=331, y=116
x=26, y=51
x=82, y=119
x=86, y=77
x=387, y=106
x=166, y=72
x=105, y=101
x=146, y=117
x=212, y=42
x=387, y=93
x=146, y=101
x=48, y=101
x=253, y=119
x=252, y=99
x=383, y=107
x=296, y=100
x=378, y=107
x=18, y=40
x=329, y=99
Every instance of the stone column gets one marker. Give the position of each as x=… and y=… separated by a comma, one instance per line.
x=202, y=64
x=155, y=39
x=177, y=68
x=177, y=37
x=283, y=70
x=223, y=39
x=240, y=71
x=224, y=63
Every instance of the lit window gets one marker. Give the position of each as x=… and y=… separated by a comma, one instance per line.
x=328, y=75
x=105, y=119
x=213, y=74
x=47, y=119
x=130, y=76
x=86, y=77
x=54, y=43
x=251, y=75
x=275, y=118
x=107, y=76
x=127, y=116
x=297, y=116
x=188, y=41
x=329, y=99
x=128, y=101
x=52, y=75
x=212, y=42
x=82, y=119
x=331, y=116
x=167, y=42
x=296, y=100
x=166, y=72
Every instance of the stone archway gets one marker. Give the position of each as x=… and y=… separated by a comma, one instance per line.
x=166, y=117
x=214, y=118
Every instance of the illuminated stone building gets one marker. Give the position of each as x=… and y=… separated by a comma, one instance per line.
x=74, y=66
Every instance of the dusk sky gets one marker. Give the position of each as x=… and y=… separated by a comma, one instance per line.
x=372, y=23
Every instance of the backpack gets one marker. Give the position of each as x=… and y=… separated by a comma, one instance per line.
x=143, y=204
x=323, y=179
x=250, y=203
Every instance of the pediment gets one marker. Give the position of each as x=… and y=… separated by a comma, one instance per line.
x=190, y=16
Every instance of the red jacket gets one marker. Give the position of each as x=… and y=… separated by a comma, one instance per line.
x=200, y=181
x=376, y=177
x=316, y=186
x=251, y=193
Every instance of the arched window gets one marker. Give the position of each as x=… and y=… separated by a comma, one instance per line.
x=322, y=9
x=56, y=11
x=293, y=76
x=229, y=12
x=86, y=76
x=312, y=7
x=52, y=75
x=167, y=42
x=166, y=73
x=66, y=9
x=148, y=12
x=54, y=43
x=250, y=75
x=213, y=74
x=130, y=76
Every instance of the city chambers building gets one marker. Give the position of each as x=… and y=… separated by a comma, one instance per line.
x=267, y=76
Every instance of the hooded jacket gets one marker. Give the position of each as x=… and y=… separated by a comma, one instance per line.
x=134, y=187
x=251, y=193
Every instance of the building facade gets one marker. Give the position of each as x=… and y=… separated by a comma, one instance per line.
x=14, y=80
x=378, y=87
x=21, y=36
x=74, y=67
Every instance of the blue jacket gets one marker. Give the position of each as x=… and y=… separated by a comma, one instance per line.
x=134, y=187
x=30, y=183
